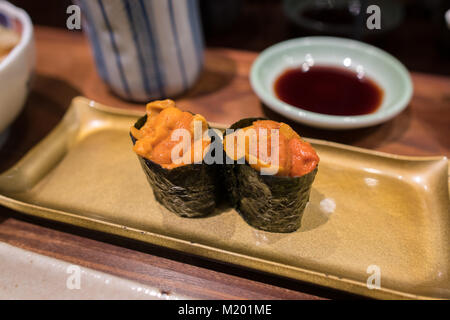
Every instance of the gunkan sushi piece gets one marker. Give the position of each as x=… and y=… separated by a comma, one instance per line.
x=175, y=169
x=268, y=184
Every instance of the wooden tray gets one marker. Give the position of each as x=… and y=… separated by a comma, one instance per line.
x=367, y=209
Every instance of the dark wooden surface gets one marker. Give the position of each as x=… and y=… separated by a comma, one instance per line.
x=65, y=69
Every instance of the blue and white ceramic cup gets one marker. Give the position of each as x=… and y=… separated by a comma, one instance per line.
x=145, y=49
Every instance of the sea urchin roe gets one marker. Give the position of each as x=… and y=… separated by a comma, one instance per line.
x=155, y=140
x=296, y=157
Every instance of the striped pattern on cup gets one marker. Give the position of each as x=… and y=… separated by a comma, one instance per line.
x=145, y=49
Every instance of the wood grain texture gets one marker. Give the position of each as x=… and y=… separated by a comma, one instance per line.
x=142, y=263
x=65, y=69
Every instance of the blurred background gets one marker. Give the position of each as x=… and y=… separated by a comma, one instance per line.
x=415, y=31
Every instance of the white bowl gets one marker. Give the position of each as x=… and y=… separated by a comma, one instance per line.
x=16, y=69
x=378, y=65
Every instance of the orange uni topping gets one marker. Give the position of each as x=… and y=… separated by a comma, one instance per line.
x=296, y=157
x=155, y=140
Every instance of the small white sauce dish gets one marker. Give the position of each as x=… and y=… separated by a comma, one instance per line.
x=17, y=67
x=364, y=59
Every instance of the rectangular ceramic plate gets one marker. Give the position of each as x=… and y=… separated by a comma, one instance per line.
x=370, y=213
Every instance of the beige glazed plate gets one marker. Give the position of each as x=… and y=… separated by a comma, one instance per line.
x=368, y=212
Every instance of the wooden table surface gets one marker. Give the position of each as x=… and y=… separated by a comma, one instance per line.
x=65, y=69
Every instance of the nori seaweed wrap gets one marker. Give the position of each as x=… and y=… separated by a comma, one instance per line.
x=267, y=202
x=188, y=190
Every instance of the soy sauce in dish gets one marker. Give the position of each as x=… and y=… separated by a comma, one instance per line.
x=329, y=90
